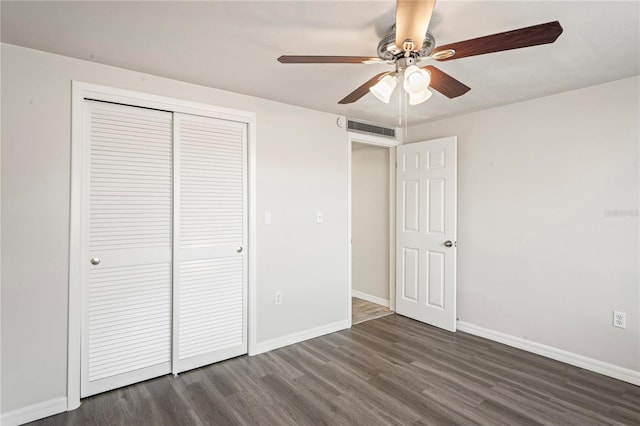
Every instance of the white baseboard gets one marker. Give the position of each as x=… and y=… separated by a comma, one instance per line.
x=620, y=373
x=370, y=298
x=300, y=336
x=34, y=412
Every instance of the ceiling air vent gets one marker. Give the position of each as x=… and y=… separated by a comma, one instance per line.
x=371, y=129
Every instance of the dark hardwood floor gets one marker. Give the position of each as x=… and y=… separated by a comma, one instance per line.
x=391, y=370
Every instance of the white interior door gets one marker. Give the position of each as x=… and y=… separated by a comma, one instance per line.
x=126, y=246
x=210, y=240
x=426, y=232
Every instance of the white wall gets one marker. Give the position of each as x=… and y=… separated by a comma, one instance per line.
x=301, y=168
x=542, y=253
x=370, y=220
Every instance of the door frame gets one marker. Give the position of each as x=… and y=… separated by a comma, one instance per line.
x=355, y=137
x=80, y=92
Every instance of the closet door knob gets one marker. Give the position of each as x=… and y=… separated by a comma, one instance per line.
x=95, y=261
x=239, y=249
x=448, y=243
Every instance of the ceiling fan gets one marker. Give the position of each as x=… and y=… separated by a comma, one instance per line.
x=409, y=42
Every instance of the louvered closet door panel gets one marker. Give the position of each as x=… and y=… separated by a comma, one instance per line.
x=210, y=238
x=128, y=294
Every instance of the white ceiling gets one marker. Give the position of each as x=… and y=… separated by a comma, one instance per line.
x=233, y=45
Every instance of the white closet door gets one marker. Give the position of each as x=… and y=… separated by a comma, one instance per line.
x=127, y=226
x=210, y=234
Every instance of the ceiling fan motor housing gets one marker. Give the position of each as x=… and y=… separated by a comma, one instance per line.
x=388, y=50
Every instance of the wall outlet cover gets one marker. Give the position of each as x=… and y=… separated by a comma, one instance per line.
x=619, y=319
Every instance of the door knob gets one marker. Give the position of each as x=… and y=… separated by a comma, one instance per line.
x=95, y=261
x=239, y=249
x=448, y=243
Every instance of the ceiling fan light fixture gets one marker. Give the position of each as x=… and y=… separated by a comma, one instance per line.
x=420, y=97
x=384, y=88
x=416, y=80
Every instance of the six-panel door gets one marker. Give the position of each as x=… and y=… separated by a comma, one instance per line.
x=426, y=232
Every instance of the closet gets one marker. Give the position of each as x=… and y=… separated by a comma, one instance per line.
x=164, y=236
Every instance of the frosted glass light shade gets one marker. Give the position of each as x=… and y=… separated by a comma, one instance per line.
x=416, y=79
x=384, y=88
x=420, y=97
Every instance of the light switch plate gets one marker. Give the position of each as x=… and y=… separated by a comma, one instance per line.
x=319, y=217
x=267, y=218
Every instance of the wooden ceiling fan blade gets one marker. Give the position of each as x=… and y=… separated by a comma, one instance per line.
x=515, y=39
x=362, y=90
x=297, y=59
x=412, y=21
x=445, y=84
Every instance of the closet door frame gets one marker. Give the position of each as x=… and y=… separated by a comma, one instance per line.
x=79, y=156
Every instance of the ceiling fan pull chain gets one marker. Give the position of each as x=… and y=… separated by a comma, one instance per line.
x=406, y=115
x=399, y=107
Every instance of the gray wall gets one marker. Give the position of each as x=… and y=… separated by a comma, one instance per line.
x=548, y=219
x=301, y=168
x=370, y=220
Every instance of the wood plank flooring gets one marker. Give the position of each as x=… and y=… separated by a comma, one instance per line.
x=363, y=310
x=388, y=371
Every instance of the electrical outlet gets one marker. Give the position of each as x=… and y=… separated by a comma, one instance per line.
x=278, y=298
x=619, y=319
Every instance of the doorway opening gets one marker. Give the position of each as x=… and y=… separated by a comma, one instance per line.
x=372, y=227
